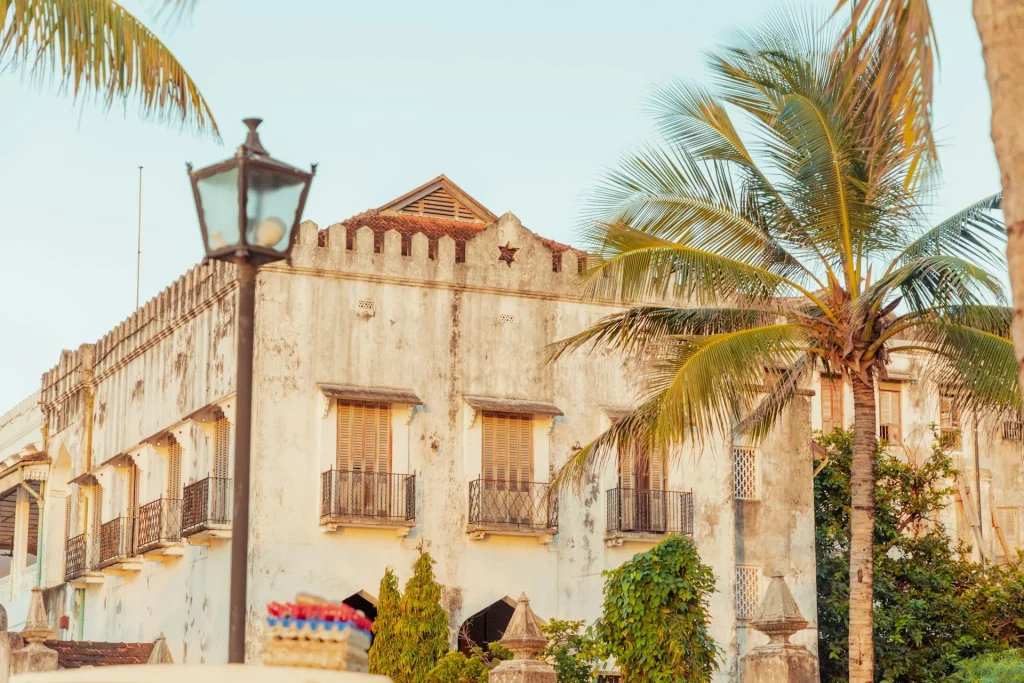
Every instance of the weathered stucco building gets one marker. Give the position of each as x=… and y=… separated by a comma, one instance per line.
x=401, y=402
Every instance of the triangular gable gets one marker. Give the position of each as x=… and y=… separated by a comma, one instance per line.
x=440, y=198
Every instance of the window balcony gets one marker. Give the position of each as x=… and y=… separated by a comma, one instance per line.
x=206, y=510
x=81, y=557
x=159, y=529
x=117, y=546
x=647, y=516
x=367, y=500
x=512, y=509
x=1013, y=430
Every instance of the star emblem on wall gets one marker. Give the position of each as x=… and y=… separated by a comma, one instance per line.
x=508, y=253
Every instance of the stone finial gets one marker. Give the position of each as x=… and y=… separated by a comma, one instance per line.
x=161, y=653
x=778, y=617
x=523, y=635
x=37, y=627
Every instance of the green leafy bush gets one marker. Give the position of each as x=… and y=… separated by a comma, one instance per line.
x=571, y=650
x=386, y=652
x=933, y=606
x=456, y=667
x=655, y=616
x=423, y=627
x=1002, y=667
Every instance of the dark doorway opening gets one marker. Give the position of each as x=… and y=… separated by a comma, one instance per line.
x=361, y=602
x=486, y=626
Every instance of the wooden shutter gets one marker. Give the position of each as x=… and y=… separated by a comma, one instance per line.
x=1008, y=522
x=627, y=468
x=507, y=447
x=221, y=448
x=889, y=412
x=364, y=437
x=657, y=472
x=831, y=403
x=174, y=471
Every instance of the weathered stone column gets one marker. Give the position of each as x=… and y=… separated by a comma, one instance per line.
x=779, y=661
x=524, y=638
x=35, y=656
x=5, y=648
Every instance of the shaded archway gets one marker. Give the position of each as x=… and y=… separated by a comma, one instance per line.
x=363, y=601
x=486, y=626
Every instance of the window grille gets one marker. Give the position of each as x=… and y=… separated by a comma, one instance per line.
x=507, y=448
x=460, y=251
x=97, y=509
x=67, y=518
x=221, y=448
x=366, y=307
x=748, y=591
x=507, y=319
x=745, y=473
x=556, y=262
x=364, y=437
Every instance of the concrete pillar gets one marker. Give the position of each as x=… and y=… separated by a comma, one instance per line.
x=19, y=555
x=524, y=639
x=779, y=661
x=5, y=648
x=35, y=657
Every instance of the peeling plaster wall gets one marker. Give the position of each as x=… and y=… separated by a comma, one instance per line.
x=444, y=330
x=986, y=460
x=20, y=428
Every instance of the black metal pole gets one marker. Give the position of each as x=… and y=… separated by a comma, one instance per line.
x=243, y=432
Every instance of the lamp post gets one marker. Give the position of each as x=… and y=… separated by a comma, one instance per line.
x=249, y=209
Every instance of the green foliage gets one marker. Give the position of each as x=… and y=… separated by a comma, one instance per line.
x=655, y=617
x=424, y=624
x=1002, y=667
x=571, y=650
x=456, y=667
x=933, y=606
x=386, y=652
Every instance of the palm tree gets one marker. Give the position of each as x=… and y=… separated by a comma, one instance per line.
x=903, y=30
x=96, y=47
x=802, y=244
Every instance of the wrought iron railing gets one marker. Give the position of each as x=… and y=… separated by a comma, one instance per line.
x=368, y=495
x=159, y=524
x=117, y=540
x=204, y=504
x=526, y=505
x=76, y=556
x=652, y=512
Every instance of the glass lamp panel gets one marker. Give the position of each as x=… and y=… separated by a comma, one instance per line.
x=271, y=205
x=218, y=194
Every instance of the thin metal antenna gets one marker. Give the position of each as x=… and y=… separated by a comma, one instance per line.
x=138, y=255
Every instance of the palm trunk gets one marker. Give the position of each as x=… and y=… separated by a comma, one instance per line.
x=862, y=533
x=1001, y=27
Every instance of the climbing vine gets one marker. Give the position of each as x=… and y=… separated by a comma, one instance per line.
x=655, y=616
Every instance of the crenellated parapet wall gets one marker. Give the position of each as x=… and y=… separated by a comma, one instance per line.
x=20, y=426
x=537, y=265
x=177, y=303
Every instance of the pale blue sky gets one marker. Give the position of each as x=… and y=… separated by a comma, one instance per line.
x=521, y=103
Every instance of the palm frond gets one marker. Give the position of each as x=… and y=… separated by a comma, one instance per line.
x=978, y=367
x=759, y=422
x=636, y=329
x=97, y=48
x=937, y=282
x=973, y=233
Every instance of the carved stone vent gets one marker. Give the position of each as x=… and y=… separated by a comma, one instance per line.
x=744, y=473
x=366, y=307
x=748, y=591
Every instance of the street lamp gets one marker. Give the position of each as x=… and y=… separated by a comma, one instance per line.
x=249, y=209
